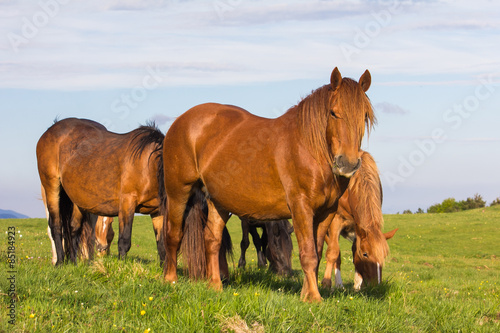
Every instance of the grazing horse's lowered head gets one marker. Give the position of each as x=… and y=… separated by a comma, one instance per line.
x=104, y=235
x=368, y=260
x=279, y=246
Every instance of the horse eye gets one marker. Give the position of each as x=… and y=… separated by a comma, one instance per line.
x=365, y=255
x=333, y=114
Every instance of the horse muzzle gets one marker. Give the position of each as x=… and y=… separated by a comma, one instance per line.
x=344, y=167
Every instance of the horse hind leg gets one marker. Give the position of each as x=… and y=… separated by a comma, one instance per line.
x=214, y=229
x=55, y=204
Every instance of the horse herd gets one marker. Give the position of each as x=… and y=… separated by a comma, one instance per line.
x=217, y=160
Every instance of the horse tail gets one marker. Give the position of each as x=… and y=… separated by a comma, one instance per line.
x=87, y=237
x=193, y=241
x=227, y=244
x=66, y=213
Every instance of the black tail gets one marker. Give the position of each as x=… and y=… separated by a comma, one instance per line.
x=193, y=241
x=69, y=236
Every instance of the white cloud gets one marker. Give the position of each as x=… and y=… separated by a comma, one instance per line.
x=107, y=44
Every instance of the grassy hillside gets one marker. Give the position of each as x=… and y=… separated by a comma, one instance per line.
x=442, y=275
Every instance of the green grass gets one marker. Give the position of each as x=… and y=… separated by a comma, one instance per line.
x=442, y=276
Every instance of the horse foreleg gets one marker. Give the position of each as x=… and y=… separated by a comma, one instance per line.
x=125, y=218
x=160, y=244
x=304, y=231
x=213, y=238
x=333, y=259
x=245, y=242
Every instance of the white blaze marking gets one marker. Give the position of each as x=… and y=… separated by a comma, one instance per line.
x=338, y=279
x=379, y=274
x=358, y=280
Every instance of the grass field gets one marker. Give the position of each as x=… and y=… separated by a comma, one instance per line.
x=443, y=275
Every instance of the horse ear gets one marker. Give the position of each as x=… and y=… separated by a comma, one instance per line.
x=390, y=234
x=365, y=81
x=335, y=79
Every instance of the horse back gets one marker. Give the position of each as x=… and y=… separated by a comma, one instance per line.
x=95, y=166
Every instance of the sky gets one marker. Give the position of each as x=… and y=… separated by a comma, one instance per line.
x=435, y=70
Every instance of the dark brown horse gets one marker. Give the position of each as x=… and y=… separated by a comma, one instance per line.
x=359, y=219
x=297, y=165
x=274, y=245
x=77, y=178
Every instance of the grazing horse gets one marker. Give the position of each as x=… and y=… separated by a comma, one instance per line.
x=297, y=166
x=275, y=244
x=359, y=219
x=104, y=235
x=85, y=169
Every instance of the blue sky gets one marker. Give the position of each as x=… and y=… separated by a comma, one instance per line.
x=434, y=64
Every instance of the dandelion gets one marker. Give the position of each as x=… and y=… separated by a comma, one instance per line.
x=143, y=313
x=235, y=294
x=143, y=304
x=351, y=298
x=150, y=298
x=147, y=330
x=257, y=294
x=32, y=315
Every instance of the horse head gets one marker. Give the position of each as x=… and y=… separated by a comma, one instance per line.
x=369, y=252
x=104, y=235
x=349, y=111
x=279, y=246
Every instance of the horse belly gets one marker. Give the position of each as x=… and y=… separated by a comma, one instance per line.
x=247, y=192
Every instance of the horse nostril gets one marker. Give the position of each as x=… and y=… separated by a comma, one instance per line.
x=358, y=165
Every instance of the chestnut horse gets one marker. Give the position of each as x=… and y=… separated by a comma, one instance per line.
x=359, y=219
x=77, y=178
x=274, y=245
x=297, y=166
x=104, y=235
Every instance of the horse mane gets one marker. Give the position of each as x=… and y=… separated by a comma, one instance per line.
x=366, y=188
x=143, y=137
x=365, y=193
x=314, y=111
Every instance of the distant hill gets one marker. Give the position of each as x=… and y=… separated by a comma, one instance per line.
x=10, y=214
